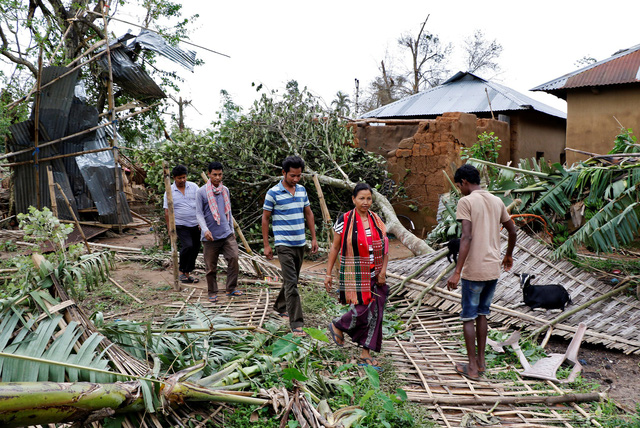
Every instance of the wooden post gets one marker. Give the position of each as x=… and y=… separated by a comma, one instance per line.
x=112, y=112
x=86, y=243
x=171, y=227
x=247, y=248
x=52, y=191
x=326, y=217
x=37, y=131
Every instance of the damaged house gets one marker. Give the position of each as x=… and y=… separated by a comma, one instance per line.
x=68, y=140
x=421, y=135
x=601, y=98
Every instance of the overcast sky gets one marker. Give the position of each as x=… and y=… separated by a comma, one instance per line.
x=326, y=45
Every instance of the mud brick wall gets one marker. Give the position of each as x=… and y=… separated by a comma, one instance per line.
x=418, y=151
x=419, y=160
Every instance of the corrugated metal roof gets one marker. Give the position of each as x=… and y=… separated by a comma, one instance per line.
x=155, y=42
x=130, y=76
x=623, y=67
x=464, y=92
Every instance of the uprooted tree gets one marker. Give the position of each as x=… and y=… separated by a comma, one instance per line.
x=252, y=146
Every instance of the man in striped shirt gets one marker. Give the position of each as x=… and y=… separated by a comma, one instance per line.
x=288, y=205
x=184, y=211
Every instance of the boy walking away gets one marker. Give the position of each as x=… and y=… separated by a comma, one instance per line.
x=184, y=211
x=287, y=203
x=213, y=210
x=481, y=214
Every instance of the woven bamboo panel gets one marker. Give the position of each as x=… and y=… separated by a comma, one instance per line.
x=246, y=265
x=254, y=307
x=426, y=364
x=614, y=322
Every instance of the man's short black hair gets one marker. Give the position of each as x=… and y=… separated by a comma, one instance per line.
x=179, y=170
x=467, y=172
x=215, y=165
x=292, y=162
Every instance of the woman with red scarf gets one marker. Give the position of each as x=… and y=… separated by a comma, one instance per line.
x=361, y=239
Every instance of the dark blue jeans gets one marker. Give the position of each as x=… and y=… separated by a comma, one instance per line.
x=476, y=298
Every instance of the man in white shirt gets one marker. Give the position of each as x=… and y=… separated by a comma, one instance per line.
x=184, y=211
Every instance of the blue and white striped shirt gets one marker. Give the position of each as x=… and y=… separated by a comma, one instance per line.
x=184, y=205
x=287, y=212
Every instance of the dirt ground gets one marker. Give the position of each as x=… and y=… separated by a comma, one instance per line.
x=151, y=283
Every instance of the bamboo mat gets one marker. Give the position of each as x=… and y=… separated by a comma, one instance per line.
x=613, y=322
x=426, y=365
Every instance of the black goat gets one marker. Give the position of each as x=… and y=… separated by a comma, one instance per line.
x=549, y=296
x=454, y=248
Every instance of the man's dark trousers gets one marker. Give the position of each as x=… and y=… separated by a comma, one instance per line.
x=189, y=238
x=229, y=249
x=288, y=301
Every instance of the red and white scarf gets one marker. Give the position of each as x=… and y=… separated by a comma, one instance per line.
x=213, y=205
x=355, y=261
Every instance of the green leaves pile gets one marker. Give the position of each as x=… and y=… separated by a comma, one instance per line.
x=601, y=194
x=252, y=146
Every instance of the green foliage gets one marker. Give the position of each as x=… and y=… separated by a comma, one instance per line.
x=174, y=344
x=487, y=148
x=241, y=418
x=252, y=146
x=609, y=415
x=42, y=227
x=607, y=191
x=625, y=142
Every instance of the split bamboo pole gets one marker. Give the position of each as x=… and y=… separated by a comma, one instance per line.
x=52, y=191
x=26, y=97
x=326, y=217
x=111, y=102
x=417, y=272
x=84, y=238
x=536, y=399
x=36, y=133
x=171, y=227
x=124, y=290
x=77, y=134
x=67, y=155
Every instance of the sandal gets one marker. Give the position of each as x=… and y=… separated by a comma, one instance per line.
x=334, y=336
x=213, y=299
x=283, y=315
x=298, y=332
x=235, y=293
x=463, y=369
x=368, y=362
x=187, y=279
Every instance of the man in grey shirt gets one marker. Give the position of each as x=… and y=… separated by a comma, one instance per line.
x=213, y=211
x=184, y=204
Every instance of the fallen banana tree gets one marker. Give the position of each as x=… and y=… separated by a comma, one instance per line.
x=30, y=403
x=599, y=197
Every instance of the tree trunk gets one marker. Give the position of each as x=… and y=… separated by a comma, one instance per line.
x=31, y=403
x=413, y=243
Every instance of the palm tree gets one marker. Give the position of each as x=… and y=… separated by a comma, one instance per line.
x=341, y=104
